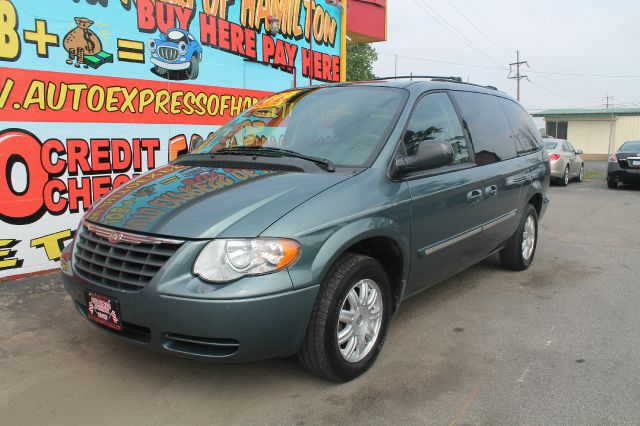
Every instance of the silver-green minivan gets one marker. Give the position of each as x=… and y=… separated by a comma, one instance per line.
x=301, y=225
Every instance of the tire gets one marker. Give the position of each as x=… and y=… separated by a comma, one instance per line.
x=514, y=256
x=160, y=71
x=564, y=180
x=611, y=183
x=580, y=177
x=321, y=352
x=194, y=68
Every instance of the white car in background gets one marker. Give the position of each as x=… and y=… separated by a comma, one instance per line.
x=565, y=160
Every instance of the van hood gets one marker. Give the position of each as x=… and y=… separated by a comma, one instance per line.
x=207, y=202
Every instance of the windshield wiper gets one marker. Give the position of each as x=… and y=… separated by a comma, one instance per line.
x=244, y=150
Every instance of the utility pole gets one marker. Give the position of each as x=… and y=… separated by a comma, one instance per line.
x=518, y=76
x=606, y=99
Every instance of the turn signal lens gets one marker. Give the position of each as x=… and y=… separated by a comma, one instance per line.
x=228, y=260
x=554, y=157
x=613, y=158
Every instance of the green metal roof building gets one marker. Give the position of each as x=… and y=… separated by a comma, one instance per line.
x=595, y=131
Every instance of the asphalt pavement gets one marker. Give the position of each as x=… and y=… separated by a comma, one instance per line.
x=557, y=344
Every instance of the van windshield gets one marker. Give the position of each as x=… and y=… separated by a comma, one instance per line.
x=345, y=125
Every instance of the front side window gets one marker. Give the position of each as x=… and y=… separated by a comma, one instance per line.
x=488, y=126
x=434, y=118
x=346, y=125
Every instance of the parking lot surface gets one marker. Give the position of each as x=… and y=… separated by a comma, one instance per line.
x=556, y=344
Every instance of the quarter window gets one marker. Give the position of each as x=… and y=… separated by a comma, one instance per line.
x=526, y=134
x=435, y=118
x=488, y=126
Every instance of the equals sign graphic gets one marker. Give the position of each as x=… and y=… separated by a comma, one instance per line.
x=130, y=51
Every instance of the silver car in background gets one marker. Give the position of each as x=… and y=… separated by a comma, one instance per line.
x=565, y=161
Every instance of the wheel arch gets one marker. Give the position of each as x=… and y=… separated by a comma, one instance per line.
x=377, y=237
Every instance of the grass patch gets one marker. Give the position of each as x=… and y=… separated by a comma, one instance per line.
x=590, y=174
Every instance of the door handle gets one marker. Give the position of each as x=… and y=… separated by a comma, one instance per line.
x=491, y=191
x=474, y=196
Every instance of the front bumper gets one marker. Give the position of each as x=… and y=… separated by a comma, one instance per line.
x=223, y=330
x=170, y=66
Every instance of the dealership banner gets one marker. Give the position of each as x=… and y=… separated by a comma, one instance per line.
x=96, y=92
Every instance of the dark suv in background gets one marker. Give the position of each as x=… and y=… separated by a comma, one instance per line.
x=301, y=226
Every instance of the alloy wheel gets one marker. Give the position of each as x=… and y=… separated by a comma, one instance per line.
x=360, y=320
x=528, y=237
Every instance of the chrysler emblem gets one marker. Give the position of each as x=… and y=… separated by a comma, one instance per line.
x=115, y=237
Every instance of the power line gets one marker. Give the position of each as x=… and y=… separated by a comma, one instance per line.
x=416, y=58
x=489, y=25
x=422, y=59
x=506, y=52
x=587, y=75
x=563, y=87
x=446, y=25
x=551, y=91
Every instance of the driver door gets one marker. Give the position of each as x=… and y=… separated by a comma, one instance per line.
x=445, y=202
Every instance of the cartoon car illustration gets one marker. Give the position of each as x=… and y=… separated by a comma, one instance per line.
x=177, y=50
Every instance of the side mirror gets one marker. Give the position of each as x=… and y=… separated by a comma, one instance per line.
x=579, y=152
x=431, y=154
x=195, y=143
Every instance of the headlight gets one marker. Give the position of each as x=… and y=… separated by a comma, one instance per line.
x=227, y=260
x=183, y=47
x=152, y=45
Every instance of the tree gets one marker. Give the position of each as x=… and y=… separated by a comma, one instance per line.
x=360, y=59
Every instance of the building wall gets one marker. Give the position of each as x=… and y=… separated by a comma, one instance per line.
x=627, y=128
x=591, y=136
x=84, y=106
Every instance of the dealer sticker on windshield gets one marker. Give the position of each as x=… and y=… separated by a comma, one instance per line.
x=104, y=310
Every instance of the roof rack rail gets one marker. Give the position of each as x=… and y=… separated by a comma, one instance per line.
x=433, y=78
x=411, y=77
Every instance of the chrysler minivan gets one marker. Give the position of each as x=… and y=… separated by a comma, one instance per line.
x=300, y=226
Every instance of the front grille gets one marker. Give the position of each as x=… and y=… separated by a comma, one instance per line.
x=128, y=264
x=168, y=53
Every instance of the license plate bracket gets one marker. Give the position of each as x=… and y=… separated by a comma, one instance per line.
x=103, y=310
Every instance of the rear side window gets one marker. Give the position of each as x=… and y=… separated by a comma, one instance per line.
x=527, y=136
x=488, y=126
x=435, y=118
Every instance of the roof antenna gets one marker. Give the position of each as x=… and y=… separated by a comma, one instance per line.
x=411, y=77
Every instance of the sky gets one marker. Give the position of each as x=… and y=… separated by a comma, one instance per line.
x=585, y=37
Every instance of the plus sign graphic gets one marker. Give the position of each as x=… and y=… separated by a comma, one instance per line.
x=41, y=38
